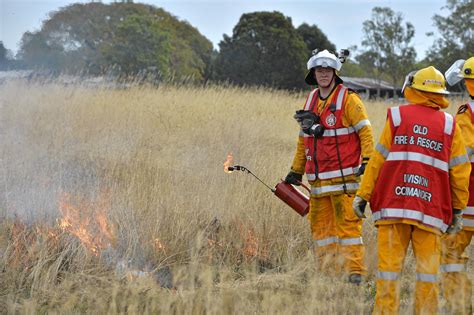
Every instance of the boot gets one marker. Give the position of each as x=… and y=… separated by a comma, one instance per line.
x=355, y=278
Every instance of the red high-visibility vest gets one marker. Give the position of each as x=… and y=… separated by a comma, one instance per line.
x=414, y=179
x=326, y=165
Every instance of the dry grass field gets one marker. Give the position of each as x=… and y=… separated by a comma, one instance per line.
x=115, y=201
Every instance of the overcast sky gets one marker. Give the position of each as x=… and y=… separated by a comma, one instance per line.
x=340, y=20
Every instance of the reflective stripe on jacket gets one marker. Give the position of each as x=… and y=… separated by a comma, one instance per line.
x=413, y=179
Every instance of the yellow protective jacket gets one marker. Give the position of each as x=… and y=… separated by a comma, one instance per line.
x=459, y=175
x=354, y=113
x=464, y=121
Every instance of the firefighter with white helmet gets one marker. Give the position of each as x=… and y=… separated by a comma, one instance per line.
x=457, y=287
x=417, y=183
x=334, y=145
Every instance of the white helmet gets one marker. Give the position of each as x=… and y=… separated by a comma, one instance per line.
x=324, y=59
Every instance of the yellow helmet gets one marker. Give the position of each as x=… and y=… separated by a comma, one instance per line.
x=467, y=71
x=428, y=80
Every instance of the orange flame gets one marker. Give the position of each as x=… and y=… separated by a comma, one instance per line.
x=159, y=246
x=21, y=239
x=252, y=246
x=27, y=242
x=228, y=162
x=87, y=220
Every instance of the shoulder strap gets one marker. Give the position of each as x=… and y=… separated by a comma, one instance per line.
x=395, y=116
x=312, y=99
x=448, y=123
x=340, y=97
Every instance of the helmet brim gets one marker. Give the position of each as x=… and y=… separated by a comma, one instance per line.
x=434, y=91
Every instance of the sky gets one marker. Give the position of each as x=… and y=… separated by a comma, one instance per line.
x=340, y=20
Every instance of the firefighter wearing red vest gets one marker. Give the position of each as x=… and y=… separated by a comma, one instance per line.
x=417, y=183
x=334, y=145
x=457, y=288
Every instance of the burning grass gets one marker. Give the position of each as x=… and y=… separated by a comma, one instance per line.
x=114, y=201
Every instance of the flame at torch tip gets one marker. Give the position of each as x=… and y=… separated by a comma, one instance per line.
x=228, y=163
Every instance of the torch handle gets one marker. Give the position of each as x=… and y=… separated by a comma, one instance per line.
x=306, y=187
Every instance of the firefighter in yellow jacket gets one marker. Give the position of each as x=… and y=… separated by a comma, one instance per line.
x=417, y=183
x=457, y=288
x=334, y=145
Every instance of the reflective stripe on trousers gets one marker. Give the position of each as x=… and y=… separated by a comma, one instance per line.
x=468, y=222
x=388, y=275
x=426, y=277
x=391, y=275
x=468, y=210
x=335, y=239
x=452, y=268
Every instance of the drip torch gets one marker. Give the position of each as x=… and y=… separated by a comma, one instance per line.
x=284, y=191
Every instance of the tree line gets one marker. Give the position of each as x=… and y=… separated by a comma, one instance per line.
x=132, y=39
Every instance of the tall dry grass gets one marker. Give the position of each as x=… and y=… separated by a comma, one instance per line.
x=155, y=155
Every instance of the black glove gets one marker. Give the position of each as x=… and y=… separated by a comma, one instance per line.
x=293, y=178
x=306, y=118
x=362, y=167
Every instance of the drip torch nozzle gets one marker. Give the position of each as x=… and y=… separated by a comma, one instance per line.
x=237, y=168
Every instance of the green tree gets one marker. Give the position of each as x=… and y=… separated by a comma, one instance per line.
x=370, y=64
x=456, y=37
x=3, y=52
x=387, y=42
x=38, y=53
x=314, y=38
x=264, y=49
x=138, y=44
x=88, y=37
x=3, y=56
x=352, y=69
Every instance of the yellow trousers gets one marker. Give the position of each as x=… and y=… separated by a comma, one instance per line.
x=337, y=234
x=392, y=244
x=457, y=288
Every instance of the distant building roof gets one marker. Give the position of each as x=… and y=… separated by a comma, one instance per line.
x=366, y=83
